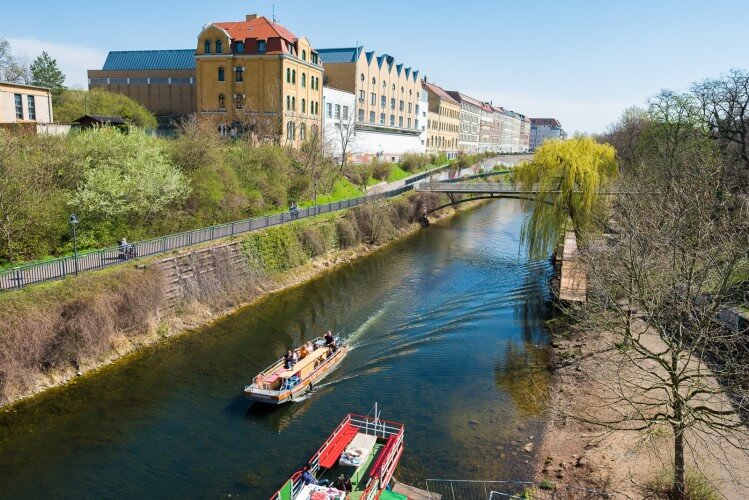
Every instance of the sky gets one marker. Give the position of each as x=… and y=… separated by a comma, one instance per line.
x=582, y=62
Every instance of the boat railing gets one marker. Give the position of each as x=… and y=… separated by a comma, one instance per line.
x=296, y=487
x=314, y=463
x=376, y=427
x=385, y=464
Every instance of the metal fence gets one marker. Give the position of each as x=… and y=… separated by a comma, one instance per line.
x=21, y=276
x=462, y=489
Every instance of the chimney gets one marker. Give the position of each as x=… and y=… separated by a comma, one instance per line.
x=250, y=17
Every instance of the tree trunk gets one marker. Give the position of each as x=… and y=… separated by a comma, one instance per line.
x=680, y=487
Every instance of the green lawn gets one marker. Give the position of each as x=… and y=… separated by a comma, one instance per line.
x=342, y=190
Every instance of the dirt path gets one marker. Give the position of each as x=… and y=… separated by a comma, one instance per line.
x=618, y=462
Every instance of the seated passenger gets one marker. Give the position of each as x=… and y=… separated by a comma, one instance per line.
x=343, y=484
x=330, y=341
x=303, y=352
x=290, y=359
x=308, y=478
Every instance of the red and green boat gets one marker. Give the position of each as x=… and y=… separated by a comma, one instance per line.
x=363, y=449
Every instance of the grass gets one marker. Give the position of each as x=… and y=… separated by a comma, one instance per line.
x=397, y=173
x=343, y=189
x=698, y=487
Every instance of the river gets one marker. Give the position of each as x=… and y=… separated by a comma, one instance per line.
x=447, y=329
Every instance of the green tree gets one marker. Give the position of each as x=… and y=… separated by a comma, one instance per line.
x=567, y=177
x=45, y=73
x=75, y=103
x=126, y=178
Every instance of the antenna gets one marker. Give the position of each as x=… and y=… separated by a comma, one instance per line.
x=274, y=13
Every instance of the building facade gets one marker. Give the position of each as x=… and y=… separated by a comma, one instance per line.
x=258, y=76
x=25, y=104
x=387, y=99
x=163, y=81
x=443, y=125
x=470, y=122
x=542, y=129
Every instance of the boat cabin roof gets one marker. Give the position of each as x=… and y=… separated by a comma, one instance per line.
x=303, y=363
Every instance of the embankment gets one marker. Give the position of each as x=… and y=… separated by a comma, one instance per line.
x=54, y=332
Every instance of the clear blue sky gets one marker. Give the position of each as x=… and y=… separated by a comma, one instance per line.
x=581, y=62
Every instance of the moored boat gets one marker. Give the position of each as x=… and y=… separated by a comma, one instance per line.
x=362, y=453
x=278, y=384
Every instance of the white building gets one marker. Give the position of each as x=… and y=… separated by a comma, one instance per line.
x=470, y=122
x=24, y=104
x=543, y=129
x=364, y=141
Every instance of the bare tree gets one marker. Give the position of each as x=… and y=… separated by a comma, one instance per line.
x=657, y=285
x=13, y=69
x=343, y=138
x=311, y=161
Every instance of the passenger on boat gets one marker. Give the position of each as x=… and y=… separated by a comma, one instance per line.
x=290, y=359
x=330, y=341
x=343, y=484
x=308, y=478
x=304, y=351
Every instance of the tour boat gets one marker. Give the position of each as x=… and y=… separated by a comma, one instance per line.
x=364, y=449
x=277, y=384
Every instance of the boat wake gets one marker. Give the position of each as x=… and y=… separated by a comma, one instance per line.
x=364, y=327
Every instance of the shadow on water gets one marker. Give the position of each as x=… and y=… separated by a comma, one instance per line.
x=447, y=329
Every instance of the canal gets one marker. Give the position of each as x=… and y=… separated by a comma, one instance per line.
x=447, y=328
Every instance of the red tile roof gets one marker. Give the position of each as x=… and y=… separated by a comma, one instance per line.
x=439, y=92
x=259, y=28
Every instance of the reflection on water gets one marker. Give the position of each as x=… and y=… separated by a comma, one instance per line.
x=447, y=334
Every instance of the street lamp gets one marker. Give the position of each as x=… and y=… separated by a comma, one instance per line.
x=73, y=221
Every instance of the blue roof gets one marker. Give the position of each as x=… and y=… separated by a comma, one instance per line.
x=345, y=55
x=150, y=59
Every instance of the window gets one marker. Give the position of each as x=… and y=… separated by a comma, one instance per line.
x=409, y=107
x=392, y=120
x=338, y=111
x=304, y=58
x=382, y=118
x=401, y=105
x=207, y=47
x=401, y=90
x=304, y=79
x=361, y=96
x=393, y=87
x=293, y=76
x=221, y=101
x=261, y=46
x=410, y=92
x=219, y=47
x=330, y=110
x=392, y=103
x=345, y=112
x=32, y=107
x=361, y=77
x=303, y=131
x=239, y=70
x=240, y=47
x=374, y=81
x=288, y=75
x=373, y=99
x=417, y=109
x=361, y=115
x=400, y=121
x=288, y=103
x=409, y=123
x=239, y=101
x=314, y=60
x=290, y=132
x=304, y=105
x=293, y=103
x=19, y=106
x=383, y=101
x=371, y=117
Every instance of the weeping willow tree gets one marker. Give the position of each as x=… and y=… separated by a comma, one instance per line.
x=566, y=177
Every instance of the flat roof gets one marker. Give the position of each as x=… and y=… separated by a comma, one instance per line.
x=23, y=85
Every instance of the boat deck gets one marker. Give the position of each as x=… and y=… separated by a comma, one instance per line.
x=359, y=475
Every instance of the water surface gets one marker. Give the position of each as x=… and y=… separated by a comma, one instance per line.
x=447, y=334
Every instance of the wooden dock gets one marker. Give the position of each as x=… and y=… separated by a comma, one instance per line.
x=573, y=282
x=414, y=493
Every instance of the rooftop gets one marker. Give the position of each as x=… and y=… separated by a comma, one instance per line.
x=22, y=85
x=439, y=92
x=340, y=55
x=260, y=28
x=546, y=121
x=127, y=60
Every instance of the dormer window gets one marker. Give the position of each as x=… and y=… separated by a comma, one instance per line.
x=261, y=46
x=240, y=47
x=207, y=47
x=219, y=47
x=314, y=58
x=304, y=55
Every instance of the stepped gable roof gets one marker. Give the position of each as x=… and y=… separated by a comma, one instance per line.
x=127, y=60
x=546, y=121
x=340, y=55
x=439, y=92
x=259, y=28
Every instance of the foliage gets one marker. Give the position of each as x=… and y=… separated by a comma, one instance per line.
x=698, y=487
x=414, y=162
x=275, y=250
x=568, y=176
x=125, y=177
x=342, y=190
x=74, y=104
x=380, y=170
x=12, y=69
x=45, y=73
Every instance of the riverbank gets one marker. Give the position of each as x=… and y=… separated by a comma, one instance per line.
x=584, y=366
x=107, y=317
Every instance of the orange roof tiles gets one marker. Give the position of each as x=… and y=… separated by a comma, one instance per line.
x=259, y=28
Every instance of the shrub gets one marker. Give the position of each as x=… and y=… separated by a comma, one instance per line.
x=380, y=170
x=412, y=162
x=73, y=104
x=276, y=250
x=348, y=232
x=312, y=241
x=698, y=487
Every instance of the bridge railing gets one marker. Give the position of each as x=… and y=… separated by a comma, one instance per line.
x=18, y=277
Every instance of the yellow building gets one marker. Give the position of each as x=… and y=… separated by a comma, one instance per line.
x=259, y=76
x=24, y=104
x=387, y=93
x=443, y=128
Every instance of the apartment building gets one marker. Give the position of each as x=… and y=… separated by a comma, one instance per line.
x=542, y=129
x=470, y=122
x=443, y=124
x=257, y=76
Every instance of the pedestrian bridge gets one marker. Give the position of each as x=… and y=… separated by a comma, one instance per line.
x=487, y=188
